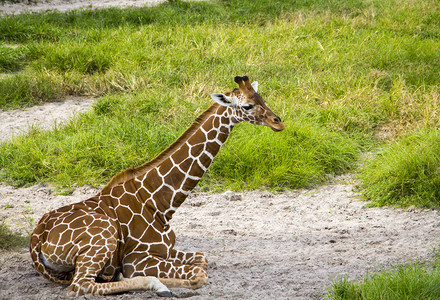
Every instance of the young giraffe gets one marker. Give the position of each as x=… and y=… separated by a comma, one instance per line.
x=122, y=235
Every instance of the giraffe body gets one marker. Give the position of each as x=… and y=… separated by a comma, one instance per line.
x=122, y=235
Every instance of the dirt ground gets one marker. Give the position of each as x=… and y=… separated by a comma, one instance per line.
x=264, y=246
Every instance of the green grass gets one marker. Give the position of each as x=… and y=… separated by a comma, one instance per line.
x=10, y=240
x=405, y=172
x=300, y=156
x=340, y=73
x=411, y=281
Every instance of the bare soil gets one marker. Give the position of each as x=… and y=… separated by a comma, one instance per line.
x=263, y=246
x=16, y=122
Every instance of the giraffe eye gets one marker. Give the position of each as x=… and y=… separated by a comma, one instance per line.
x=248, y=107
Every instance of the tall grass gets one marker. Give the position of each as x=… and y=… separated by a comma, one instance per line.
x=319, y=50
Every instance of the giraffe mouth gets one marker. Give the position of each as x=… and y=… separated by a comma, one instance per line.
x=278, y=127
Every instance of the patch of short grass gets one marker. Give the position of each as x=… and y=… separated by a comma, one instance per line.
x=406, y=172
x=85, y=151
x=12, y=58
x=10, y=240
x=412, y=281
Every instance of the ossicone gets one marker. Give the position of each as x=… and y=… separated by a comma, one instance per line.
x=237, y=79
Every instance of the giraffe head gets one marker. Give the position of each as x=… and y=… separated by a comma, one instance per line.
x=249, y=106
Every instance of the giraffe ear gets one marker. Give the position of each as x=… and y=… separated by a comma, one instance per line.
x=224, y=100
x=255, y=86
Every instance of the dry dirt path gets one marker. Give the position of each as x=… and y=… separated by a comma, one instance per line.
x=265, y=246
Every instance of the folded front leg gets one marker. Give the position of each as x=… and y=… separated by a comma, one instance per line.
x=86, y=272
x=188, y=258
x=170, y=273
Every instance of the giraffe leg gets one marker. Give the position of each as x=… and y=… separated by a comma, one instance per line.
x=168, y=272
x=152, y=282
x=188, y=258
x=87, y=285
x=90, y=263
x=55, y=251
x=81, y=254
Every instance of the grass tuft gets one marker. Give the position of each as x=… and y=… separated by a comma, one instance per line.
x=10, y=240
x=12, y=58
x=405, y=172
x=302, y=155
x=403, y=282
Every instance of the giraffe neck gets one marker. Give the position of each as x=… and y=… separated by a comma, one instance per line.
x=170, y=180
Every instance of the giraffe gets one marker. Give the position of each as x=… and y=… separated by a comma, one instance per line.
x=120, y=239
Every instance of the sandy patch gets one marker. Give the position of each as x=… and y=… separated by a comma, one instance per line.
x=65, y=5
x=16, y=122
x=264, y=246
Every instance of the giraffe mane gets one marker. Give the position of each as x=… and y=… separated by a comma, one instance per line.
x=133, y=172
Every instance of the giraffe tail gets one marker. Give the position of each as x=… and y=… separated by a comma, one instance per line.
x=40, y=262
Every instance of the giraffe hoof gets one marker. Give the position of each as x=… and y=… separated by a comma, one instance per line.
x=167, y=294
